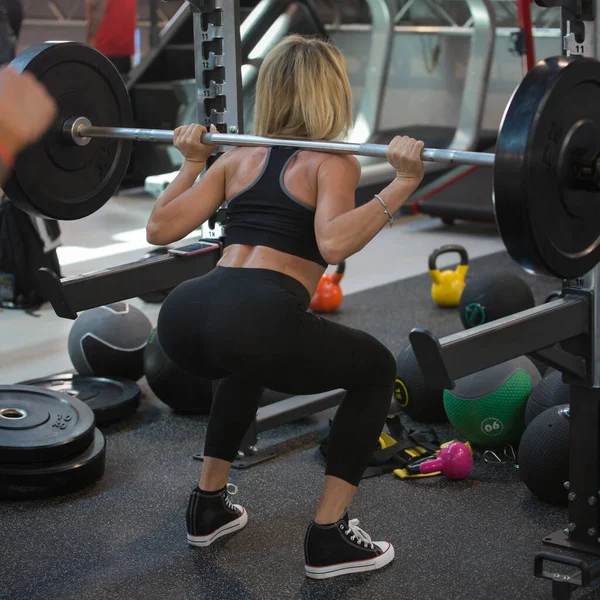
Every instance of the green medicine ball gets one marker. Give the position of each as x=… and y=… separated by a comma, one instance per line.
x=488, y=407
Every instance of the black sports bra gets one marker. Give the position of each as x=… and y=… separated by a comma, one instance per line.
x=266, y=214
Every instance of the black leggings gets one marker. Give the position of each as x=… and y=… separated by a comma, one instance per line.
x=250, y=328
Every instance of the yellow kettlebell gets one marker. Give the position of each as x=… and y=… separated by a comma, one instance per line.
x=448, y=285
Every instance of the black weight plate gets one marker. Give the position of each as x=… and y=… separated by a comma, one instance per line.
x=55, y=178
x=40, y=425
x=111, y=399
x=17, y=480
x=547, y=226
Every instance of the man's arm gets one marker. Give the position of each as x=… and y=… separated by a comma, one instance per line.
x=96, y=10
x=26, y=112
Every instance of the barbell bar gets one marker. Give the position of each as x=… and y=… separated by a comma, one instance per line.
x=81, y=131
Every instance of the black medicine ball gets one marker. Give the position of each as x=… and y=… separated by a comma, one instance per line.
x=492, y=296
x=414, y=396
x=551, y=391
x=109, y=341
x=173, y=386
x=544, y=455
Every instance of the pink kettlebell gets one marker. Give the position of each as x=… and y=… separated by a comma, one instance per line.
x=454, y=461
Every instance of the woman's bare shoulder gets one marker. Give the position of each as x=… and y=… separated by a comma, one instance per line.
x=335, y=161
x=342, y=163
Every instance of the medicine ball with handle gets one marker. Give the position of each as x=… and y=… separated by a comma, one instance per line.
x=176, y=388
x=492, y=296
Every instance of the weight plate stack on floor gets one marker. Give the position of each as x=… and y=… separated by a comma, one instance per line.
x=48, y=443
x=38, y=425
x=57, y=477
x=112, y=400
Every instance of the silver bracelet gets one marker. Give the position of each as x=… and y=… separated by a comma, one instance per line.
x=386, y=209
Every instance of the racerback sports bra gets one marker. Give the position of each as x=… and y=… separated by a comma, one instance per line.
x=266, y=214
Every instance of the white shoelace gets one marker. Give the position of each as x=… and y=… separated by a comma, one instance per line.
x=230, y=490
x=359, y=535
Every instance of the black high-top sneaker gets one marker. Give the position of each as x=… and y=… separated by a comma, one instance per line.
x=211, y=515
x=342, y=548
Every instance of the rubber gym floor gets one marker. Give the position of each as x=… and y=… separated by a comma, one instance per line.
x=125, y=536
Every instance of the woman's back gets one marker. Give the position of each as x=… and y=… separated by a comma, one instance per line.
x=244, y=168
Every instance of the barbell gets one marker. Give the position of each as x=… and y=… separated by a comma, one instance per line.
x=546, y=164
x=80, y=131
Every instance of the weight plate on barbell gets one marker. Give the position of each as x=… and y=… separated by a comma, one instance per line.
x=111, y=399
x=55, y=178
x=30, y=480
x=549, y=225
x=38, y=425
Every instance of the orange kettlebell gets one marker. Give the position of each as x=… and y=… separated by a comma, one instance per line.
x=328, y=296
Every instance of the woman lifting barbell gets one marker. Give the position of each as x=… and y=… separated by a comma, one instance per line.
x=290, y=214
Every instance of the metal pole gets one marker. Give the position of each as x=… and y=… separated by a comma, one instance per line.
x=451, y=157
x=154, y=33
